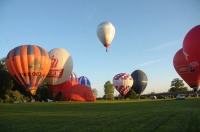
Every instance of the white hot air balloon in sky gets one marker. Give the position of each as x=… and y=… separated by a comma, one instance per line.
x=106, y=33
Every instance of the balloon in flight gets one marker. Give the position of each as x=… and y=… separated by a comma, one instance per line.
x=123, y=83
x=187, y=72
x=191, y=47
x=29, y=65
x=106, y=33
x=140, y=81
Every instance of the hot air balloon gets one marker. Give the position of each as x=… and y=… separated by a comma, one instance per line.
x=80, y=92
x=191, y=47
x=187, y=73
x=29, y=65
x=122, y=82
x=106, y=33
x=71, y=81
x=140, y=81
x=84, y=80
x=60, y=70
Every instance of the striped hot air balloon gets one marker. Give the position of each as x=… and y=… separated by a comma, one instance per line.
x=123, y=83
x=84, y=80
x=29, y=65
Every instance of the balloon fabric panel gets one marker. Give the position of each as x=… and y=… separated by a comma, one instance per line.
x=84, y=80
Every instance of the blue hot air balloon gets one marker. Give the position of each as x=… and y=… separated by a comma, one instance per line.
x=140, y=81
x=84, y=80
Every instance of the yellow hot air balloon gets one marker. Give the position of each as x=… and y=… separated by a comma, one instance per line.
x=29, y=65
x=106, y=33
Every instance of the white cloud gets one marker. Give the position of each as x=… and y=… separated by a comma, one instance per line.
x=166, y=45
x=148, y=63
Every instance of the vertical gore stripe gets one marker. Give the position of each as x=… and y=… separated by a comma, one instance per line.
x=17, y=51
x=8, y=55
x=30, y=49
x=42, y=51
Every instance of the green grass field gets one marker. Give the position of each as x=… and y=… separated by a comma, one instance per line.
x=102, y=116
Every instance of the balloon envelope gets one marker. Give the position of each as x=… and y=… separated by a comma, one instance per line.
x=61, y=66
x=29, y=65
x=140, y=81
x=191, y=47
x=183, y=68
x=72, y=80
x=106, y=33
x=122, y=82
x=84, y=80
x=80, y=92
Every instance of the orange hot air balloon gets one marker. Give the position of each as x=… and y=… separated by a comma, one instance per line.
x=29, y=65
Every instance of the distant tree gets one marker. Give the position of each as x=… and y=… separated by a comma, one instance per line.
x=12, y=96
x=43, y=92
x=3, y=64
x=177, y=85
x=108, y=90
x=131, y=94
x=6, y=81
x=95, y=92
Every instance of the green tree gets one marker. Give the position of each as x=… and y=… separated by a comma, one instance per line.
x=3, y=64
x=43, y=92
x=95, y=92
x=108, y=90
x=131, y=94
x=177, y=85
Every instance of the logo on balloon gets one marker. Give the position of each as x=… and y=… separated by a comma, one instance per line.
x=54, y=62
x=35, y=65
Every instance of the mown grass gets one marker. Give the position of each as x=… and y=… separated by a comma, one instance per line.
x=102, y=116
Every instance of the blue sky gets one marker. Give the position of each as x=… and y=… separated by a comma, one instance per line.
x=148, y=34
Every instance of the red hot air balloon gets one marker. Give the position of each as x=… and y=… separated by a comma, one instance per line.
x=191, y=47
x=29, y=65
x=80, y=92
x=187, y=73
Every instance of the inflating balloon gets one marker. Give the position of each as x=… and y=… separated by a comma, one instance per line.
x=84, y=80
x=191, y=47
x=140, y=81
x=122, y=82
x=60, y=70
x=29, y=65
x=106, y=33
x=80, y=92
x=187, y=73
x=72, y=80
